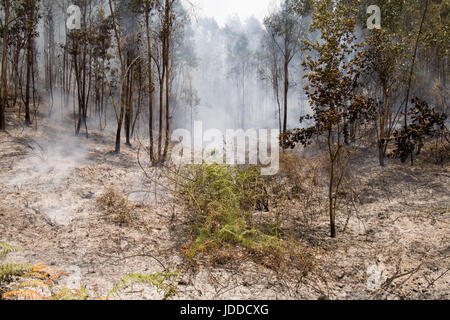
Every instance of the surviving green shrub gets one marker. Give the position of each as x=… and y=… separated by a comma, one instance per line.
x=224, y=199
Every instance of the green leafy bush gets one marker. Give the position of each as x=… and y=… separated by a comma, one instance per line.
x=223, y=200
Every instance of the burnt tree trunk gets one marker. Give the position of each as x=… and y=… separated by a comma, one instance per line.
x=4, y=89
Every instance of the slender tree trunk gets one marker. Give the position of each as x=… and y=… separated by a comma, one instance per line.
x=161, y=105
x=166, y=62
x=286, y=90
x=80, y=99
x=150, y=84
x=243, y=100
x=413, y=63
x=167, y=136
x=16, y=71
x=279, y=109
x=28, y=79
x=140, y=90
x=4, y=93
x=123, y=75
x=382, y=142
x=129, y=110
x=33, y=87
x=332, y=209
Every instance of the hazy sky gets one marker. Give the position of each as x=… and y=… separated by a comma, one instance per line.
x=221, y=10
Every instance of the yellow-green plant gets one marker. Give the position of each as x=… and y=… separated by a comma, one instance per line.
x=67, y=294
x=37, y=284
x=224, y=199
x=33, y=282
x=162, y=282
x=9, y=270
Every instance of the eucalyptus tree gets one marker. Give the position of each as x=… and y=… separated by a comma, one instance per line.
x=101, y=35
x=382, y=58
x=335, y=64
x=28, y=12
x=48, y=12
x=148, y=9
x=270, y=69
x=124, y=69
x=241, y=61
x=286, y=29
x=80, y=49
x=405, y=57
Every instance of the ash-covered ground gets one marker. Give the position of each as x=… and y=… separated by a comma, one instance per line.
x=394, y=246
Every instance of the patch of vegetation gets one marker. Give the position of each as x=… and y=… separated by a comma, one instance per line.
x=10, y=270
x=117, y=206
x=162, y=281
x=298, y=185
x=5, y=249
x=33, y=282
x=67, y=294
x=38, y=284
x=426, y=123
x=224, y=199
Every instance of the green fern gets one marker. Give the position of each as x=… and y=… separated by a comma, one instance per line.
x=9, y=270
x=223, y=198
x=66, y=294
x=39, y=284
x=158, y=280
x=6, y=249
x=37, y=278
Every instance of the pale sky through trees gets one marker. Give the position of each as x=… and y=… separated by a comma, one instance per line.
x=221, y=10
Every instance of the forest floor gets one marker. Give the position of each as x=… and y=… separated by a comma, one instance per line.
x=396, y=246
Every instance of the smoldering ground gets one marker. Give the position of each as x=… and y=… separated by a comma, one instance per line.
x=48, y=164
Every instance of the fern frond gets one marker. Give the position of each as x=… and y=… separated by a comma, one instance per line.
x=9, y=270
x=39, y=284
x=66, y=294
x=50, y=272
x=36, y=275
x=56, y=276
x=41, y=268
x=6, y=249
x=23, y=294
x=158, y=280
x=44, y=272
